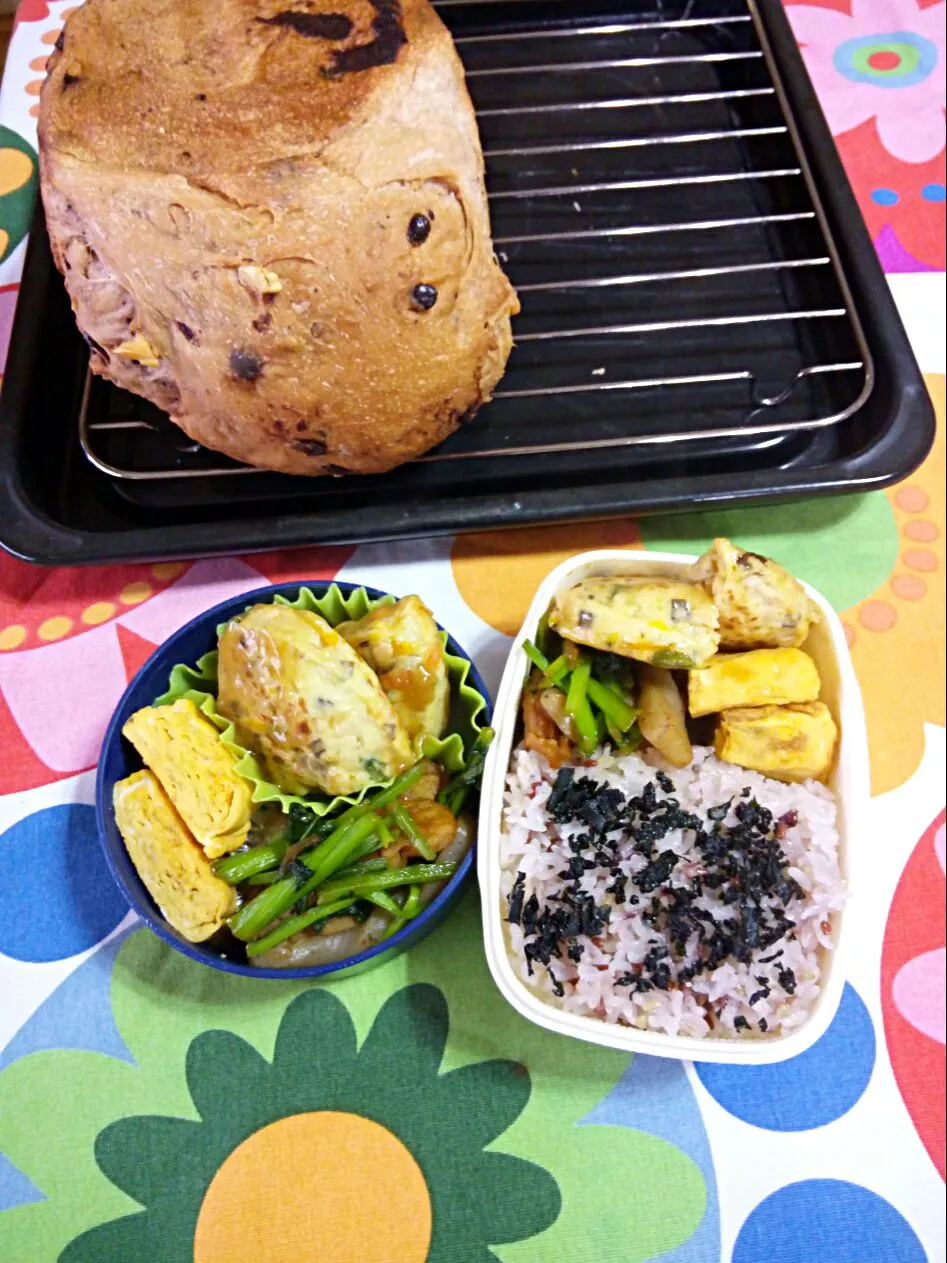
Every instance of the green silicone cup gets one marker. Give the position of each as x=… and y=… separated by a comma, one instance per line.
x=199, y=684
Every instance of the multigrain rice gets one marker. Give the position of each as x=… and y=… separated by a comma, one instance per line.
x=628, y=923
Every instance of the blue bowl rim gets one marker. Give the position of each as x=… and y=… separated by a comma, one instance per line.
x=119, y=862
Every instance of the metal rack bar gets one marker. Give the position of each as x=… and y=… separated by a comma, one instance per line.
x=646, y=230
x=628, y=103
x=686, y=274
x=636, y=142
x=644, y=383
x=622, y=63
x=667, y=182
x=608, y=28
x=663, y=326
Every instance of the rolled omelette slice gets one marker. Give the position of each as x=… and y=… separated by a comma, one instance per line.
x=666, y=622
x=759, y=602
x=760, y=677
x=196, y=771
x=403, y=646
x=303, y=699
x=176, y=872
x=788, y=743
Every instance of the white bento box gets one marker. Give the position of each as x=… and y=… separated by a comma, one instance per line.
x=849, y=781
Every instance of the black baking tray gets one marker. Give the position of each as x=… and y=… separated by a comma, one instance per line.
x=560, y=447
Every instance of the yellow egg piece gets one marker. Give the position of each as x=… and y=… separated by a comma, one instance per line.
x=760, y=677
x=789, y=743
x=183, y=748
x=176, y=872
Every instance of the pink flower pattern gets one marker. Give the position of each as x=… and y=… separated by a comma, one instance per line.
x=920, y=986
x=884, y=62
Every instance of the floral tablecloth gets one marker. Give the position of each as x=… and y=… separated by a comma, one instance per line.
x=151, y=1109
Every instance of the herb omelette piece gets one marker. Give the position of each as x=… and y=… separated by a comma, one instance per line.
x=307, y=704
x=404, y=647
x=666, y=622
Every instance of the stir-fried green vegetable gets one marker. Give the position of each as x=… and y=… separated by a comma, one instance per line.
x=333, y=873
x=406, y=823
x=408, y=911
x=331, y=854
x=304, y=921
x=240, y=867
x=595, y=689
x=459, y=788
x=360, y=887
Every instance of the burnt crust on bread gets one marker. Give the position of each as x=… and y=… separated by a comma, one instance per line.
x=272, y=222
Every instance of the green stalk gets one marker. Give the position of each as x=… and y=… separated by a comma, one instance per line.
x=472, y=773
x=544, y=634
x=556, y=672
x=361, y=887
x=361, y=867
x=385, y=902
x=399, y=786
x=455, y=803
x=239, y=868
x=339, y=849
x=287, y=929
x=578, y=687
x=412, y=904
x=536, y=656
x=268, y=878
x=614, y=708
x=253, y=918
x=577, y=706
x=370, y=845
x=406, y=823
x=408, y=911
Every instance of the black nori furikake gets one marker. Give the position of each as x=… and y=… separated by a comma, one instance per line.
x=516, y=899
x=741, y=864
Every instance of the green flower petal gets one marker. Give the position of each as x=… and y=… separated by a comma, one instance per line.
x=223, y=1071
x=406, y=1042
x=489, y=1095
x=199, y=684
x=324, y=1065
x=128, y=1240
x=523, y=1197
x=143, y=1156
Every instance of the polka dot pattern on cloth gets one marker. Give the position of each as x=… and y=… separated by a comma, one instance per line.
x=830, y=1220
x=58, y=897
x=810, y=1090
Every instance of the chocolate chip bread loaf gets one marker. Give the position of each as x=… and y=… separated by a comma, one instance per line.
x=272, y=222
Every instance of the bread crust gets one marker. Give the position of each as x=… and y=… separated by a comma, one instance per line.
x=272, y=222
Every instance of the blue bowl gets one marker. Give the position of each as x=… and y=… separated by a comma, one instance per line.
x=119, y=759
